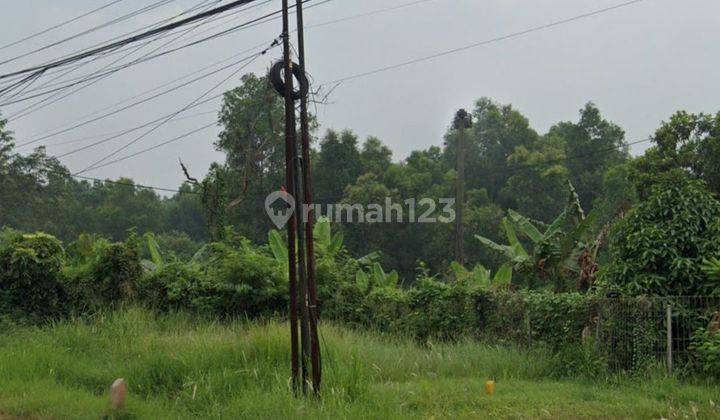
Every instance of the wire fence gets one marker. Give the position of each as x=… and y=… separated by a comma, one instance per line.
x=632, y=332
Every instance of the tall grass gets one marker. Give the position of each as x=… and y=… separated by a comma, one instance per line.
x=177, y=366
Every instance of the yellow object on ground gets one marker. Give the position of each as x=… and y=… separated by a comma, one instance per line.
x=490, y=388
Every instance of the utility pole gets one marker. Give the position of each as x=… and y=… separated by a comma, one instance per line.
x=305, y=134
x=290, y=181
x=462, y=122
x=305, y=356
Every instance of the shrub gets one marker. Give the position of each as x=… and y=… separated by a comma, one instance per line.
x=103, y=273
x=31, y=275
x=705, y=346
x=658, y=249
x=175, y=286
x=241, y=280
x=441, y=310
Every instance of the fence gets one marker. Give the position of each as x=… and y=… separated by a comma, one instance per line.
x=630, y=332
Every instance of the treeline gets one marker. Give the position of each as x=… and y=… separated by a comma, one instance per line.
x=509, y=165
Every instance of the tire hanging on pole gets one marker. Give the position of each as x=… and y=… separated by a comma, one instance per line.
x=278, y=82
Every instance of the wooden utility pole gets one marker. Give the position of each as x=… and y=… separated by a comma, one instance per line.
x=303, y=295
x=290, y=181
x=311, y=297
x=462, y=122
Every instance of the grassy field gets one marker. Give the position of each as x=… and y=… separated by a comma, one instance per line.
x=177, y=367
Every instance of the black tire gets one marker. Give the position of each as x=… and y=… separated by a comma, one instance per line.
x=278, y=83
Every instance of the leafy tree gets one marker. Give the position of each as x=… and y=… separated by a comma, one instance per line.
x=595, y=145
x=184, y=212
x=375, y=157
x=497, y=131
x=538, y=186
x=659, y=248
x=338, y=165
x=686, y=146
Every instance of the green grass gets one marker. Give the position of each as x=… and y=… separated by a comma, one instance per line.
x=180, y=367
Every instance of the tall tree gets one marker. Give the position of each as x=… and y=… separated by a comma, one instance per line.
x=538, y=181
x=592, y=146
x=375, y=157
x=338, y=165
x=686, y=146
x=252, y=139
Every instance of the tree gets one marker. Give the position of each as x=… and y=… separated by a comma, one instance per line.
x=338, y=165
x=498, y=130
x=184, y=212
x=253, y=140
x=592, y=146
x=537, y=186
x=659, y=248
x=375, y=156
x=687, y=146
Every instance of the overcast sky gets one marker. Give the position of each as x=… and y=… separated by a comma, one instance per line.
x=639, y=64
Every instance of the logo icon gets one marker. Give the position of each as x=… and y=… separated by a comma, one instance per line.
x=280, y=206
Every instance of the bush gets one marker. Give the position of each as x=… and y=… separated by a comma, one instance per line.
x=31, y=275
x=103, y=273
x=658, y=249
x=705, y=346
x=175, y=286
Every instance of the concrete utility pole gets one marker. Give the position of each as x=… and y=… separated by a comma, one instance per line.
x=462, y=122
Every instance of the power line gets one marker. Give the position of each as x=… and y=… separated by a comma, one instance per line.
x=136, y=128
x=15, y=117
x=130, y=40
x=202, y=5
x=91, y=30
x=109, y=114
x=129, y=184
x=59, y=25
x=366, y=14
x=97, y=136
x=183, y=109
x=226, y=32
x=155, y=147
x=58, y=96
x=483, y=43
x=54, y=98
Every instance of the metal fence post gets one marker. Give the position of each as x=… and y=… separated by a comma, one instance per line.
x=669, y=339
x=597, y=333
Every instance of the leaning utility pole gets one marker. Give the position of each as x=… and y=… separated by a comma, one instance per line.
x=461, y=123
x=290, y=181
x=305, y=134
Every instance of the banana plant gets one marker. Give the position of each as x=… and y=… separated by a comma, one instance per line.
x=482, y=277
x=376, y=278
x=557, y=250
x=156, y=261
x=327, y=244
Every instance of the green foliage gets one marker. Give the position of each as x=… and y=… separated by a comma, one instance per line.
x=687, y=146
x=705, y=346
x=481, y=276
x=115, y=273
x=175, y=286
x=31, y=275
x=711, y=268
x=660, y=246
x=555, y=251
